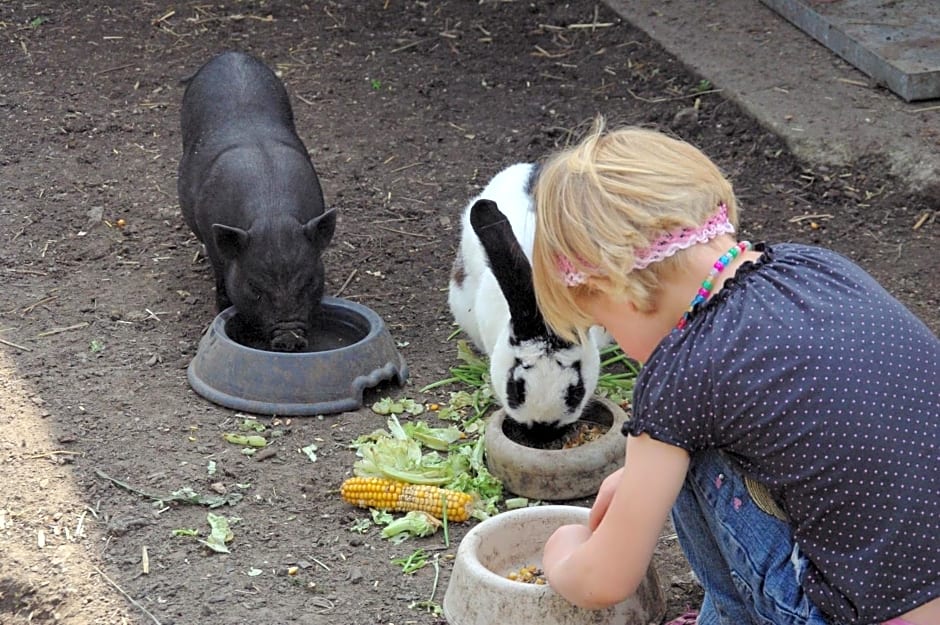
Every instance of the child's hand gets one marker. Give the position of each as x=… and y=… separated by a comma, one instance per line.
x=561, y=544
x=604, y=495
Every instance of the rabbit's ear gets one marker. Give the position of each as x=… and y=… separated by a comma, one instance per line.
x=510, y=266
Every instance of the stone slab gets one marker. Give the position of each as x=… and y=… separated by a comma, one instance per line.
x=895, y=42
x=826, y=109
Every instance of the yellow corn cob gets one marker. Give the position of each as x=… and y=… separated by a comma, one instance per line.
x=384, y=494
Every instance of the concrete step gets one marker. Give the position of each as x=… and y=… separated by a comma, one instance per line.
x=895, y=42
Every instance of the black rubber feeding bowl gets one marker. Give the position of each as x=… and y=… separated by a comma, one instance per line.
x=350, y=351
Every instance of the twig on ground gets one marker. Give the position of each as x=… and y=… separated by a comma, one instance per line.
x=404, y=167
x=857, y=83
x=409, y=234
x=922, y=219
x=27, y=349
x=540, y=51
x=56, y=452
x=77, y=326
x=44, y=300
x=135, y=603
x=671, y=98
x=799, y=218
x=113, y=69
x=352, y=275
x=408, y=45
x=165, y=16
x=32, y=272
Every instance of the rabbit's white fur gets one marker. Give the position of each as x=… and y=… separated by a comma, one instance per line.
x=545, y=368
x=478, y=306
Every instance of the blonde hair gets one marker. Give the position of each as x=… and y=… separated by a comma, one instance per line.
x=602, y=201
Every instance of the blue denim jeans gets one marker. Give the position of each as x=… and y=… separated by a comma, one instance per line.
x=745, y=559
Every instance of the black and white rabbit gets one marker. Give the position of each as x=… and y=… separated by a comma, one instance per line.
x=541, y=380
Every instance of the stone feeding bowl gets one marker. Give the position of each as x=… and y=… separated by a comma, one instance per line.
x=349, y=351
x=480, y=592
x=532, y=469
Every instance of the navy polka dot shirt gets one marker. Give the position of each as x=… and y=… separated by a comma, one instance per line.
x=821, y=385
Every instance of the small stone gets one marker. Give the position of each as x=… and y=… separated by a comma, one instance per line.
x=356, y=576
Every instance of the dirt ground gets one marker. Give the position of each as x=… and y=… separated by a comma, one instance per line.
x=407, y=108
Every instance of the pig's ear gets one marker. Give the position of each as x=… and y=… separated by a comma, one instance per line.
x=319, y=230
x=230, y=241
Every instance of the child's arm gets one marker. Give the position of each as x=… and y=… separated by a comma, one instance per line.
x=604, y=495
x=600, y=568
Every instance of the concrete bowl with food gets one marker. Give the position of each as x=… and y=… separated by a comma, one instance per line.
x=571, y=465
x=497, y=571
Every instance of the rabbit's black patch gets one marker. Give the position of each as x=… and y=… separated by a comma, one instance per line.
x=575, y=393
x=515, y=386
x=536, y=434
x=530, y=183
x=510, y=267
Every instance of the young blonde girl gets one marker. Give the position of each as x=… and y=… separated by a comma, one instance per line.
x=781, y=369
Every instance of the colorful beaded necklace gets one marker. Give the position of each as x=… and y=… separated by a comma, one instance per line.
x=706, y=288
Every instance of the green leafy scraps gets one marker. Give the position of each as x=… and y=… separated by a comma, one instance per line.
x=618, y=375
x=429, y=605
x=436, y=438
x=251, y=425
x=245, y=440
x=404, y=460
x=221, y=532
x=414, y=523
x=478, y=479
x=185, y=495
x=474, y=370
x=416, y=561
x=387, y=405
x=185, y=532
x=310, y=451
x=381, y=517
x=360, y=526
x=396, y=455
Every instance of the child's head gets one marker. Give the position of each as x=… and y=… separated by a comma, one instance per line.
x=602, y=206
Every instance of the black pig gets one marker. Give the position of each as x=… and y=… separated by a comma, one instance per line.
x=249, y=192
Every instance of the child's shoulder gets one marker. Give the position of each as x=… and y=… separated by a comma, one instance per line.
x=810, y=265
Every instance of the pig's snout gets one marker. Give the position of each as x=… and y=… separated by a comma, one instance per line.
x=289, y=338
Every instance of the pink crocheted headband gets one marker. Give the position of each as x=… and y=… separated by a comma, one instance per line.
x=668, y=244
x=570, y=275
x=662, y=248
